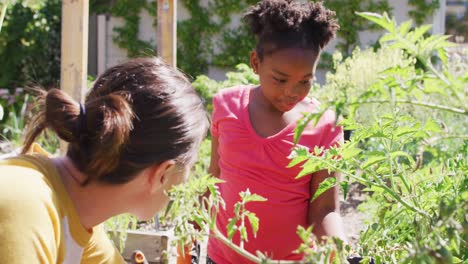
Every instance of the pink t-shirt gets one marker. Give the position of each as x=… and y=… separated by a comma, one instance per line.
x=247, y=160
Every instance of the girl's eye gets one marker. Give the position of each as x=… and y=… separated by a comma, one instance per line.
x=307, y=82
x=279, y=80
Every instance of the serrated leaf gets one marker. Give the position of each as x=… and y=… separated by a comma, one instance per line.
x=371, y=161
x=254, y=198
x=237, y=208
x=442, y=52
x=324, y=186
x=302, y=124
x=231, y=227
x=387, y=38
x=254, y=223
x=298, y=155
x=432, y=126
x=345, y=187
x=348, y=153
x=382, y=20
x=402, y=154
x=405, y=27
x=243, y=232
x=401, y=131
x=418, y=32
x=310, y=166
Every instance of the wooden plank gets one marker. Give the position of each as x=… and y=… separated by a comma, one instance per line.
x=74, y=59
x=167, y=31
x=155, y=245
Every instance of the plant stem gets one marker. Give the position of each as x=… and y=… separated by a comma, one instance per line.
x=380, y=185
x=245, y=253
x=242, y=225
x=403, y=202
x=2, y=14
x=425, y=104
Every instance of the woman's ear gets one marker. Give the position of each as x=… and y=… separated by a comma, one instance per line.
x=254, y=61
x=157, y=175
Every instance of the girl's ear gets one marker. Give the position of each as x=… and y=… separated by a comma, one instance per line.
x=158, y=174
x=254, y=61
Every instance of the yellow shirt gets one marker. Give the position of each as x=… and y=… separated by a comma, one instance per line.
x=38, y=222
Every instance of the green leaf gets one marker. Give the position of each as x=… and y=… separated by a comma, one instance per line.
x=231, y=227
x=443, y=55
x=312, y=165
x=381, y=20
x=432, y=126
x=254, y=198
x=371, y=161
x=400, y=131
x=254, y=223
x=243, y=232
x=237, y=208
x=302, y=124
x=387, y=38
x=419, y=32
x=350, y=152
x=324, y=186
x=345, y=187
x=298, y=155
x=405, y=27
x=402, y=154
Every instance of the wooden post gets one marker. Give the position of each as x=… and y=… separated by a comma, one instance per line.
x=74, y=60
x=167, y=31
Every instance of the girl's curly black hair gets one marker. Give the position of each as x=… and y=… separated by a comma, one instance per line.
x=280, y=24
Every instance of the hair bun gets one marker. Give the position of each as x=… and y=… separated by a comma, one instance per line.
x=271, y=19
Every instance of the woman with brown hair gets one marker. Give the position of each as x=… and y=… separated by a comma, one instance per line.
x=134, y=137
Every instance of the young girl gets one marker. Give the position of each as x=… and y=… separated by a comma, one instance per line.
x=253, y=129
x=135, y=136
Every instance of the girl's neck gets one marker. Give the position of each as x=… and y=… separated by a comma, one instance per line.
x=94, y=203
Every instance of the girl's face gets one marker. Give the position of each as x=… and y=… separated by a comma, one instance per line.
x=285, y=76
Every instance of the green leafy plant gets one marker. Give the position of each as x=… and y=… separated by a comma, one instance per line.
x=30, y=45
x=418, y=192
x=5, y=3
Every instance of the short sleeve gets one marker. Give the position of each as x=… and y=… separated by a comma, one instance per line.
x=332, y=135
x=100, y=250
x=222, y=110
